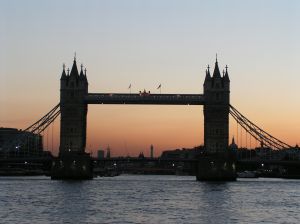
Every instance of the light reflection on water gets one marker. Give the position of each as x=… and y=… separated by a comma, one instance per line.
x=148, y=199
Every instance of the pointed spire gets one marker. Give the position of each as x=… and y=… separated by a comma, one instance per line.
x=233, y=145
x=68, y=70
x=216, y=70
x=63, y=75
x=233, y=142
x=74, y=70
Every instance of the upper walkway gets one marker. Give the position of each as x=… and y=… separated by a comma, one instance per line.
x=145, y=98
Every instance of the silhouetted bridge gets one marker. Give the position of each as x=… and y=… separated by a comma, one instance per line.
x=73, y=162
x=118, y=160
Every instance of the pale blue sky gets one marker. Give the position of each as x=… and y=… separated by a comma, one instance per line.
x=150, y=42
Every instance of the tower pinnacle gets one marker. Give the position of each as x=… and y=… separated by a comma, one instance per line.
x=74, y=71
x=216, y=73
x=226, y=76
x=63, y=75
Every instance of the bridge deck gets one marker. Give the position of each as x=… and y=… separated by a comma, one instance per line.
x=145, y=98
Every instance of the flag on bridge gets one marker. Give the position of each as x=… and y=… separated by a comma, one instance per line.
x=129, y=87
x=159, y=87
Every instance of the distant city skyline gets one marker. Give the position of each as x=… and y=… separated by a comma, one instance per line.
x=147, y=43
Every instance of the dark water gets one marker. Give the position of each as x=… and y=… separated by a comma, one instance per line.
x=148, y=199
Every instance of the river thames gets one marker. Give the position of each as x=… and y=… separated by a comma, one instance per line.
x=148, y=199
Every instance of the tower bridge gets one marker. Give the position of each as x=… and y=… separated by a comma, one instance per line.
x=218, y=162
x=74, y=98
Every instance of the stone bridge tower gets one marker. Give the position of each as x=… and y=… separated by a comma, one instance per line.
x=216, y=110
x=72, y=162
x=218, y=162
x=73, y=89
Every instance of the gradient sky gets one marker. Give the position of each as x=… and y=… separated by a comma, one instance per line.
x=146, y=43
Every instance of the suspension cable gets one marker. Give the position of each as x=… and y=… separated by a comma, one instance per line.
x=259, y=134
x=32, y=131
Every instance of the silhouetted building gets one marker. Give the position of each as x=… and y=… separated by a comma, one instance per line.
x=108, y=152
x=233, y=146
x=141, y=155
x=100, y=154
x=29, y=142
x=182, y=153
x=151, y=151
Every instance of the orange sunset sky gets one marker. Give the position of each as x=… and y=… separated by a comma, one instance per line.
x=146, y=43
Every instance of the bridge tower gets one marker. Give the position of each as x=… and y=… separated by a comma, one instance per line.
x=73, y=162
x=218, y=162
x=73, y=89
x=216, y=110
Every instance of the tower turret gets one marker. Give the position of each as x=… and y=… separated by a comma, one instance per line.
x=63, y=74
x=208, y=79
x=81, y=75
x=63, y=78
x=226, y=80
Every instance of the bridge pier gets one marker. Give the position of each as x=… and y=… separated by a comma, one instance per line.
x=216, y=167
x=72, y=166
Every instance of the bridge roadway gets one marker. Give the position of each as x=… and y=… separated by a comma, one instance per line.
x=21, y=160
x=145, y=98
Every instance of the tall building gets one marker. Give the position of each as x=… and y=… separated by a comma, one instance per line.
x=151, y=151
x=108, y=152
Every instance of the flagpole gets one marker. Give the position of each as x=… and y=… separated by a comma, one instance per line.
x=129, y=88
x=159, y=87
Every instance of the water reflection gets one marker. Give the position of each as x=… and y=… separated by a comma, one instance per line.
x=148, y=199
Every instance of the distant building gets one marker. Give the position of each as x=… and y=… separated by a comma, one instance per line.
x=100, y=154
x=108, y=152
x=29, y=142
x=182, y=153
x=233, y=146
x=151, y=151
x=141, y=155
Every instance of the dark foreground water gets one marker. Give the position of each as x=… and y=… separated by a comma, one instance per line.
x=148, y=199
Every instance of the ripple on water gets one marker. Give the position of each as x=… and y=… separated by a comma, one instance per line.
x=148, y=199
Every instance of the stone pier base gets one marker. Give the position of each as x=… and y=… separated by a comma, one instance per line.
x=72, y=166
x=216, y=167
